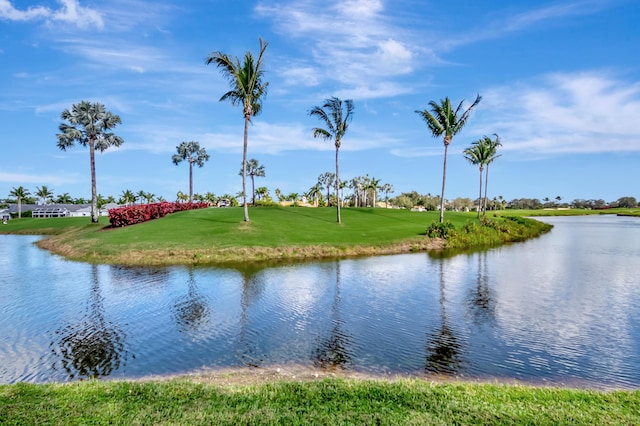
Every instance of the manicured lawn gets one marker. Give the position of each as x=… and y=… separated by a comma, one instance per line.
x=328, y=401
x=217, y=235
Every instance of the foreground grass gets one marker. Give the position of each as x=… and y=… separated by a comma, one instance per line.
x=326, y=401
x=219, y=236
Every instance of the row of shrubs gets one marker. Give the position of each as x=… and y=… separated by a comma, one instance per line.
x=138, y=213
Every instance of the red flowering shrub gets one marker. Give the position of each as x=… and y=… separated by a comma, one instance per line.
x=130, y=215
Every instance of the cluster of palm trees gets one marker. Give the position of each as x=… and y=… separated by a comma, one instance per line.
x=482, y=153
x=89, y=124
x=247, y=88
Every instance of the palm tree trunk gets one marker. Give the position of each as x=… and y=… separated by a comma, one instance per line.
x=244, y=168
x=19, y=207
x=444, y=178
x=486, y=184
x=94, y=196
x=480, y=194
x=253, y=191
x=190, y=181
x=337, y=186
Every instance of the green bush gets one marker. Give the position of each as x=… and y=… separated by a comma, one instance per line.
x=441, y=230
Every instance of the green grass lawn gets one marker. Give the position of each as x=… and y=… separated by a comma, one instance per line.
x=205, y=235
x=327, y=401
x=220, y=236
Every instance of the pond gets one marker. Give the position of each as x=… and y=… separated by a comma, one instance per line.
x=562, y=309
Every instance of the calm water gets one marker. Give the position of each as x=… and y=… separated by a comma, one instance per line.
x=563, y=309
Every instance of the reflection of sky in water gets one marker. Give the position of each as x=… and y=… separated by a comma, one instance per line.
x=563, y=308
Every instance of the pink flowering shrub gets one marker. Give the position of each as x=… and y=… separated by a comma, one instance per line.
x=130, y=215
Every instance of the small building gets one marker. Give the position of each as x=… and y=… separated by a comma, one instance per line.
x=50, y=211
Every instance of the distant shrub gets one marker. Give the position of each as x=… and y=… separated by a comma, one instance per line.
x=130, y=215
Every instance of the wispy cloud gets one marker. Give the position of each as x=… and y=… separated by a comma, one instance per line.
x=590, y=112
x=69, y=12
x=352, y=42
x=510, y=23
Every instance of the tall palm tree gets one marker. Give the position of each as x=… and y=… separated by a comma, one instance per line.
x=444, y=120
x=493, y=145
x=336, y=115
x=254, y=168
x=478, y=154
x=89, y=124
x=247, y=89
x=191, y=152
x=20, y=193
x=44, y=193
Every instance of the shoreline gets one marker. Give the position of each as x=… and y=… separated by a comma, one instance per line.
x=229, y=257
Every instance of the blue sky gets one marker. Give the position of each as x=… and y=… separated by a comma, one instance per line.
x=560, y=82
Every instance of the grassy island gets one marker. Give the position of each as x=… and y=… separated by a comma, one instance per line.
x=219, y=236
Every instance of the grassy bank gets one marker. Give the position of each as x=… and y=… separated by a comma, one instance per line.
x=219, y=236
x=326, y=401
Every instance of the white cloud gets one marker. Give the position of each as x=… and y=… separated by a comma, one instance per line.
x=352, y=42
x=9, y=12
x=69, y=12
x=589, y=112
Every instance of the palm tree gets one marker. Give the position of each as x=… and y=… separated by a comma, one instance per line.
x=210, y=198
x=44, y=193
x=313, y=192
x=373, y=186
x=140, y=196
x=149, y=197
x=477, y=154
x=89, y=125
x=387, y=188
x=278, y=193
x=493, y=154
x=327, y=180
x=262, y=192
x=64, y=199
x=443, y=120
x=254, y=168
x=127, y=197
x=247, y=89
x=20, y=193
x=181, y=196
x=191, y=152
x=336, y=116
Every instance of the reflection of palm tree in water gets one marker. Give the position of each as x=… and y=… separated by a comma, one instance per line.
x=191, y=311
x=251, y=290
x=481, y=300
x=94, y=347
x=333, y=351
x=442, y=346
